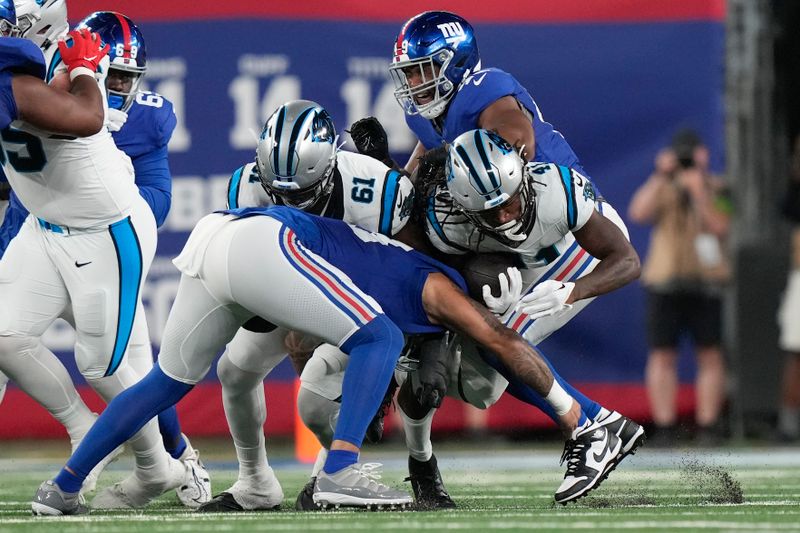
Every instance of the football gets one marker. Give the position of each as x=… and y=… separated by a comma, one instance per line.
x=483, y=269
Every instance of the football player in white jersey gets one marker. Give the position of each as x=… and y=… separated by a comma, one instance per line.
x=42, y=375
x=84, y=251
x=573, y=246
x=298, y=165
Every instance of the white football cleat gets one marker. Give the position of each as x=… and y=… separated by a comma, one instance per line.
x=196, y=487
x=590, y=454
x=134, y=492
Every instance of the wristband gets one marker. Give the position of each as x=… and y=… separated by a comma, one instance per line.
x=80, y=71
x=559, y=400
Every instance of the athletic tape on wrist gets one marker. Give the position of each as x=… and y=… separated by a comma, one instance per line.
x=80, y=71
x=559, y=399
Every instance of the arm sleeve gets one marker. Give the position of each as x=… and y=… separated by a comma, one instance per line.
x=155, y=182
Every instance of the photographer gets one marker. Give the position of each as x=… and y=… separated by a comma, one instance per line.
x=684, y=274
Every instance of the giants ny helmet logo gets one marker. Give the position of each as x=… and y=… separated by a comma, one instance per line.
x=453, y=32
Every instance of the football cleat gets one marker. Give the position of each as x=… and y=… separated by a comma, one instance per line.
x=305, y=500
x=262, y=492
x=225, y=502
x=50, y=500
x=134, y=492
x=590, y=455
x=196, y=488
x=426, y=482
x=629, y=432
x=357, y=486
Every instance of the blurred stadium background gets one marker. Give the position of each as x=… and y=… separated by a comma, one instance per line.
x=616, y=77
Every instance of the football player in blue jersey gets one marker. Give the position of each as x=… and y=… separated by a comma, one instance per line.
x=320, y=281
x=144, y=139
x=297, y=164
x=445, y=92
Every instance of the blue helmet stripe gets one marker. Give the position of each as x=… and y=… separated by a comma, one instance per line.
x=485, y=159
x=298, y=125
x=474, y=173
x=277, y=137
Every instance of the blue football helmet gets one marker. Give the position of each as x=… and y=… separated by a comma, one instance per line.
x=127, y=54
x=489, y=183
x=40, y=21
x=433, y=54
x=8, y=18
x=296, y=154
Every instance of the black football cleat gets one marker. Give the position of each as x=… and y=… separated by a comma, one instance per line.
x=224, y=502
x=305, y=500
x=426, y=482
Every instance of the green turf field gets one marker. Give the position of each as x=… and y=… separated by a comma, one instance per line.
x=506, y=490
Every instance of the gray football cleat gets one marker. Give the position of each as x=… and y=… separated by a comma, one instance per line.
x=357, y=486
x=590, y=455
x=50, y=500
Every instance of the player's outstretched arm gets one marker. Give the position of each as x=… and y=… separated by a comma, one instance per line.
x=507, y=118
x=619, y=262
x=447, y=305
x=78, y=112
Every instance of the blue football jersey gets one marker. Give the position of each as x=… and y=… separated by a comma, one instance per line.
x=17, y=56
x=476, y=94
x=151, y=121
x=363, y=256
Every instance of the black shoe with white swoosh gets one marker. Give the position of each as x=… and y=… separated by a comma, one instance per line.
x=590, y=455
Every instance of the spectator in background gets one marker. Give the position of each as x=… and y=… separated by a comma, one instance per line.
x=684, y=275
x=789, y=314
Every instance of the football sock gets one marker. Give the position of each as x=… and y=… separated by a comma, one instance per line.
x=124, y=416
x=523, y=392
x=246, y=412
x=418, y=435
x=37, y=371
x=373, y=350
x=322, y=456
x=170, y=429
x=338, y=459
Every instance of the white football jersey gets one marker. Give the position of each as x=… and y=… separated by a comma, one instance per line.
x=76, y=182
x=564, y=202
x=366, y=193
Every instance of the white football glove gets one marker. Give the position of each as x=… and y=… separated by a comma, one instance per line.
x=510, y=290
x=547, y=298
x=115, y=119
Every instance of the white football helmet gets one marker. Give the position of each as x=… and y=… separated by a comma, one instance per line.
x=42, y=22
x=296, y=154
x=488, y=182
